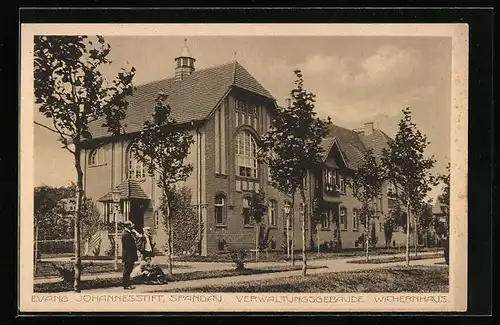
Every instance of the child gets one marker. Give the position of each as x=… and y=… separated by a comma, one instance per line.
x=149, y=273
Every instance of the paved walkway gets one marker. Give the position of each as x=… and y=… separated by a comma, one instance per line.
x=332, y=266
x=185, y=267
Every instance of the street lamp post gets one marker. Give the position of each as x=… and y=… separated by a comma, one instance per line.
x=116, y=201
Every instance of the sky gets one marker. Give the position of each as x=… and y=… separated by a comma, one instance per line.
x=356, y=79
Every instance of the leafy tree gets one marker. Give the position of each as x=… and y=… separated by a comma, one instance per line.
x=291, y=148
x=395, y=219
x=91, y=219
x=406, y=166
x=258, y=209
x=51, y=219
x=162, y=146
x=444, y=197
x=72, y=92
x=368, y=179
x=184, y=220
x=444, y=200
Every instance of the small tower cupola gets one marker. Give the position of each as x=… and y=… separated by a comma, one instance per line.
x=184, y=63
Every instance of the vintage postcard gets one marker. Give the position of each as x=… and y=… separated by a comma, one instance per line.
x=243, y=167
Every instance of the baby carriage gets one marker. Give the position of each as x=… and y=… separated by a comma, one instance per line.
x=149, y=273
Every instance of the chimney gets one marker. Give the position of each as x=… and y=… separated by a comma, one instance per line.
x=368, y=128
x=288, y=102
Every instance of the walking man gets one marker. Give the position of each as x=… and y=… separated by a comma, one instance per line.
x=129, y=254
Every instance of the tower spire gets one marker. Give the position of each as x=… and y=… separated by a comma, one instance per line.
x=184, y=63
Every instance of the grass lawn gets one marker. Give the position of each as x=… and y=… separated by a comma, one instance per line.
x=279, y=256
x=116, y=282
x=393, y=259
x=394, y=279
x=47, y=269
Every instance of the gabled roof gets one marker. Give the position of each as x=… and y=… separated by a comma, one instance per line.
x=353, y=144
x=327, y=144
x=129, y=189
x=350, y=145
x=193, y=98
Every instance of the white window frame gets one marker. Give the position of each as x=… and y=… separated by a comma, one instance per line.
x=246, y=154
x=135, y=168
x=325, y=221
x=246, y=205
x=355, y=219
x=220, y=204
x=272, y=212
x=343, y=226
x=97, y=157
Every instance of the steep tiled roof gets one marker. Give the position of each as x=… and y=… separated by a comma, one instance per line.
x=326, y=144
x=129, y=189
x=353, y=144
x=378, y=140
x=193, y=98
x=350, y=144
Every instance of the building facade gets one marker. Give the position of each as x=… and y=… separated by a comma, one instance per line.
x=226, y=110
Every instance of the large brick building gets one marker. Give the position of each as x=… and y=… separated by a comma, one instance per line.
x=226, y=109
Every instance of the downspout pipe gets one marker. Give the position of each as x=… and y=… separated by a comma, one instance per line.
x=198, y=183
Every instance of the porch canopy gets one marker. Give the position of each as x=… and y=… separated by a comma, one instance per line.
x=129, y=190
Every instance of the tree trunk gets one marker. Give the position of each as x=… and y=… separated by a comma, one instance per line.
x=337, y=224
x=292, y=249
x=304, y=252
x=408, y=216
x=257, y=233
x=317, y=237
x=171, y=243
x=79, y=195
x=287, y=235
x=367, y=243
x=169, y=230
x=416, y=235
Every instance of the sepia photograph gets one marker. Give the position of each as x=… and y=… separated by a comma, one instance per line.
x=243, y=167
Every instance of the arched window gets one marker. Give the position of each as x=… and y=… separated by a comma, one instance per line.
x=343, y=218
x=136, y=169
x=246, y=155
x=355, y=220
x=220, y=209
x=97, y=157
x=247, y=218
x=272, y=212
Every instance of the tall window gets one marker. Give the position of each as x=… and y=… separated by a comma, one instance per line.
x=246, y=113
x=355, y=220
x=325, y=221
x=136, y=169
x=342, y=183
x=331, y=180
x=246, y=211
x=97, y=157
x=272, y=213
x=220, y=211
x=246, y=155
x=343, y=218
